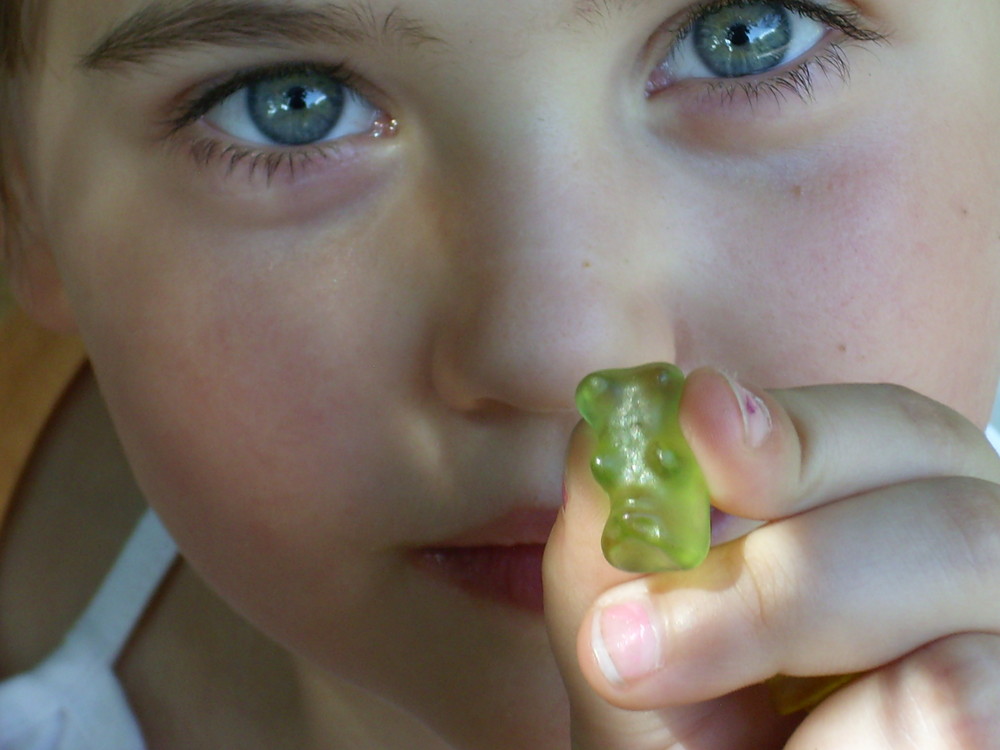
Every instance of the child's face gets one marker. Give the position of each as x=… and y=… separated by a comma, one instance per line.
x=326, y=358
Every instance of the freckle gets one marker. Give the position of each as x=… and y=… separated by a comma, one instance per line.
x=842, y=348
x=586, y=264
x=797, y=191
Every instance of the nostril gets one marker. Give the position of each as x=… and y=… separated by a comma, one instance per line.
x=491, y=376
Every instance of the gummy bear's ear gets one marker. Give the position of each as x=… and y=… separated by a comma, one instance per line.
x=595, y=398
x=661, y=374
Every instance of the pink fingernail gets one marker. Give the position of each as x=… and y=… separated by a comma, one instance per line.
x=625, y=642
x=756, y=417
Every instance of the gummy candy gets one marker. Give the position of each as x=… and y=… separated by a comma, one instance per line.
x=660, y=515
x=793, y=694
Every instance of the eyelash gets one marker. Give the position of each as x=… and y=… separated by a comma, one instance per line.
x=847, y=21
x=260, y=160
x=257, y=160
x=797, y=80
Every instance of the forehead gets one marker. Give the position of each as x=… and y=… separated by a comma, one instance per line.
x=95, y=19
x=85, y=22
x=103, y=34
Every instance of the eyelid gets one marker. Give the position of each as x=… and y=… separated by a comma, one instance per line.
x=848, y=21
x=840, y=20
x=222, y=155
x=687, y=66
x=195, y=106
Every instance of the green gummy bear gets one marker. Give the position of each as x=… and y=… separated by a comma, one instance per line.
x=660, y=510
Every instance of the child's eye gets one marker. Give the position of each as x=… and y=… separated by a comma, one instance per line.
x=743, y=40
x=279, y=121
x=730, y=40
x=292, y=109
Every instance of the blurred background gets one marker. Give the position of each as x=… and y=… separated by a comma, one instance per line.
x=5, y=299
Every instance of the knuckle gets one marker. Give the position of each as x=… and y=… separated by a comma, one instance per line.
x=949, y=437
x=971, y=511
x=945, y=695
x=765, y=587
x=923, y=411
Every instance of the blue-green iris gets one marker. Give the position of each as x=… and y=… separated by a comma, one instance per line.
x=296, y=109
x=743, y=40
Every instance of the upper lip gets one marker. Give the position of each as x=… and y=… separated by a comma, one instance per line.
x=520, y=526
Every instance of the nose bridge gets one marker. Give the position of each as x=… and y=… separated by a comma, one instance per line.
x=552, y=268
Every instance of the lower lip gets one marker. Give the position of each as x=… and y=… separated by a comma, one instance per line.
x=510, y=575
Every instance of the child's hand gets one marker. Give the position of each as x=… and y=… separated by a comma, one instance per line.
x=883, y=556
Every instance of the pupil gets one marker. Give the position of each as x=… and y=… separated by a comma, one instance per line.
x=297, y=98
x=739, y=35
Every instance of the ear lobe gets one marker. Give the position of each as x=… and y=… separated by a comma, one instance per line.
x=38, y=289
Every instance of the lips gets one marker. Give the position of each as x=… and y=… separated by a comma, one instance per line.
x=499, y=562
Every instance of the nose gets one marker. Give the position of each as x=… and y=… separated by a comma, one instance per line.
x=555, y=273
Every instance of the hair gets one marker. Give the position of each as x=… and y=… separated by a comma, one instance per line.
x=13, y=40
x=19, y=26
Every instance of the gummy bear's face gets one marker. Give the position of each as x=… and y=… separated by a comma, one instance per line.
x=611, y=399
x=631, y=411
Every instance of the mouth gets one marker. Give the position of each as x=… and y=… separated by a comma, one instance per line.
x=499, y=562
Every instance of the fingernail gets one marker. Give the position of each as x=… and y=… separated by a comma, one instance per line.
x=625, y=641
x=756, y=417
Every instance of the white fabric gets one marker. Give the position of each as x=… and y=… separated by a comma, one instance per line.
x=73, y=700
x=993, y=435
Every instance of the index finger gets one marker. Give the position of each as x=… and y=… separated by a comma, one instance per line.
x=772, y=454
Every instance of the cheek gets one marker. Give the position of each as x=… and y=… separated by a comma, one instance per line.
x=240, y=413
x=928, y=233
x=871, y=262
x=248, y=387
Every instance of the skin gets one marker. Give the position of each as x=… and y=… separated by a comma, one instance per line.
x=424, y=311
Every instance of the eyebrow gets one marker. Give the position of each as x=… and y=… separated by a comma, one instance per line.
x=590, y=10
x=161, y=27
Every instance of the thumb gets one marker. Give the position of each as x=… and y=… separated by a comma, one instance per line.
x=578, y=580
x=576, y=575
